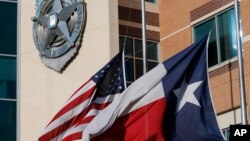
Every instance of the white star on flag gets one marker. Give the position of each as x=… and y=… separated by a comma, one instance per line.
x=186, y=94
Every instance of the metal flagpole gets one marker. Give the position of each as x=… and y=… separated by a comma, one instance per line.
x=240, y=65
x=144, y=43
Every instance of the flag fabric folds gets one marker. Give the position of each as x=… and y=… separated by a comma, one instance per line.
x=171, y=102
x=91, y=98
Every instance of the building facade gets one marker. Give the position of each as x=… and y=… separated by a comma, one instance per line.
x=43, y=91
x=130, y=36
x=182, y=23
x=31, y=93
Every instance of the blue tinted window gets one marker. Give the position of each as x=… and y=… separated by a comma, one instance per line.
x=227, y=35
x=7, y=120
x=222, y=42
x=8, y=51
x=8, y=77
x=226, y=133
x=8, y=25
x=202, y=30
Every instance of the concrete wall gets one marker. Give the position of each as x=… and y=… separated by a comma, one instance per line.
x=42, y=91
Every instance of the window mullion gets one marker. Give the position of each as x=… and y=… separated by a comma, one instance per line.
x=8, y=55
x=217, y=39
x=134, y=59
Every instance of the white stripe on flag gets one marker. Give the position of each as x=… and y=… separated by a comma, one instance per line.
x=67, y=116
x=70, y=131
x=109, y=98
x=92, y=112
x=155, y=94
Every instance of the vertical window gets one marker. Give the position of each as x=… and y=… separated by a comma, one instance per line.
x=133, y=57
x=222, y=42
x=8, y=51
x=226, y=133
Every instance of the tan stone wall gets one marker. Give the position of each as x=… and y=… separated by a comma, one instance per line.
x=43, y=91
x=176, y=21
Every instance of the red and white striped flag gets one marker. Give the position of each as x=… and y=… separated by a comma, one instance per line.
x=92, y=97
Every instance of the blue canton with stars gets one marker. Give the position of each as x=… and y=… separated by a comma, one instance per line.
x=109, y=79
x=189, y=114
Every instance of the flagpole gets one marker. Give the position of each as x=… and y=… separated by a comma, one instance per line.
x=240, y=66
x=144, y=43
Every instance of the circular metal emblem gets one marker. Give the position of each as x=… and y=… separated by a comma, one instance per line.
x=57, y=30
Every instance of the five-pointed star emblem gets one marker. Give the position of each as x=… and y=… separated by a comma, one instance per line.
x=186, y=94
x=55, y=22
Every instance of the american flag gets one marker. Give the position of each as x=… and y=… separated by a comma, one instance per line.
x=92, y=97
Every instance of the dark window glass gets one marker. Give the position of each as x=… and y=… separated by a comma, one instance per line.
x=151, y=65
x=138, y=68
x=8, y=77
x=202, y=30
x=128, y=45
x=129, y=65
x=133, y=57
x=128, y=83
x=138, y=48
x=8, y=120
x=8, y=24
x=152, y=52
x=227, y=35
x=212, y=50
x=153, y=1
x=222, y=42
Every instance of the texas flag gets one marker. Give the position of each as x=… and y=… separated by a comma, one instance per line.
x=171, y=102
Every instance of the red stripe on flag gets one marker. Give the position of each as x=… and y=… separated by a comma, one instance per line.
x=78, y=135
x=74, y=103
x=74, y=136
x=146, y=123
x=78, y=119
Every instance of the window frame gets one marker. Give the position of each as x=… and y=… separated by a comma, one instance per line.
x=12, y=55
x=134, y=58
x=216, y=27
x=16, y=56
x=226, y=131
